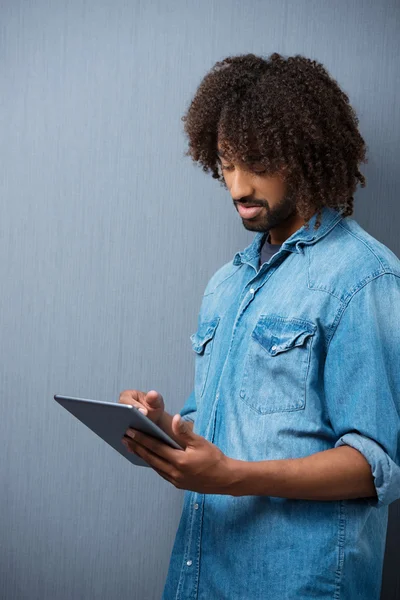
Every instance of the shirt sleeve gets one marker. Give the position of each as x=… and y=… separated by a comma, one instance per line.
x=189, y=409
x=362, y=381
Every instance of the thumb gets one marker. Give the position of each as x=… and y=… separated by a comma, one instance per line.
x=153, y=399
x=182, y=430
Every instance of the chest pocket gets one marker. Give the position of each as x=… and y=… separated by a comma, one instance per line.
x=277, y=363
x=202, y=344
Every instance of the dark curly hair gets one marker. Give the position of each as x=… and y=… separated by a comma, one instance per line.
x=289, y=115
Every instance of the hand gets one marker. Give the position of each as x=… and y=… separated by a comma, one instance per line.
x=200, y=467
x=150, y=403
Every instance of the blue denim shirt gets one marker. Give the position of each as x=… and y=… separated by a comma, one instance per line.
x=294, y=357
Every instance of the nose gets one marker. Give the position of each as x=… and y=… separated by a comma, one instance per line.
x=241, y=185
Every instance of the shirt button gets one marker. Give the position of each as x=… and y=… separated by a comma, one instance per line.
x=189, y=562
x=274, y=347
x=252, y=290
x=217, y=396
x=196, y=506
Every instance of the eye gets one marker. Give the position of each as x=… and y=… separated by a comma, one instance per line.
x=227, y=167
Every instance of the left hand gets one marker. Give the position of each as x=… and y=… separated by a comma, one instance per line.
x=200, y=467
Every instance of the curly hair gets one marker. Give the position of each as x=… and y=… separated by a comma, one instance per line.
x=289, y=115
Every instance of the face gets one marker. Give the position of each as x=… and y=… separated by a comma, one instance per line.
x=250, y=186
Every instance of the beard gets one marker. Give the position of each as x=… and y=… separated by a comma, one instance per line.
x=271, y=217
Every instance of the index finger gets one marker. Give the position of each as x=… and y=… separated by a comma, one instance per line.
x=128, y=396
x=156, y=446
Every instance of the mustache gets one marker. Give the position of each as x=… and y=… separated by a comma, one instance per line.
x=249, y=203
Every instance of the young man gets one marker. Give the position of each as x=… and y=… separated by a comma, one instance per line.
x=291, y=433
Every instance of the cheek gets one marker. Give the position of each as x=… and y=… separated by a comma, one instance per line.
x=273, y=189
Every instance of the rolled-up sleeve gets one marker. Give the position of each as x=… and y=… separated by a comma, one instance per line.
x=189, y=409
x=362, y=381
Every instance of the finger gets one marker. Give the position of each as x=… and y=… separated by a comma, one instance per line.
x=156, y=447
x=139, y=406
x=128, y=396
x=183, y=431
x=155, y=461
x=164, y=476
x=132, y=398
x=153, y=399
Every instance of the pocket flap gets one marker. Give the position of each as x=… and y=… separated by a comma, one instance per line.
x=278, y=334
x=204, y=333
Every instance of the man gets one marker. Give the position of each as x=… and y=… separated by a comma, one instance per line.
x=291, y=433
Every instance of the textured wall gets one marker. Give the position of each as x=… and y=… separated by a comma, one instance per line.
x=108, y=237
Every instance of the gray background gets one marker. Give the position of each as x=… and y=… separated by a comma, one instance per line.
x=108, y=238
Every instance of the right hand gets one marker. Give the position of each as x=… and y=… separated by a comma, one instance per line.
x=150, y=404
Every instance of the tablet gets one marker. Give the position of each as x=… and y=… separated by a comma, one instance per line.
x=110, y=420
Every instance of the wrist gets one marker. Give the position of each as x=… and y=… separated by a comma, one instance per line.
x=237, y=472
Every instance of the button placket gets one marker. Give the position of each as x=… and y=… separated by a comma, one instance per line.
x=189, y=576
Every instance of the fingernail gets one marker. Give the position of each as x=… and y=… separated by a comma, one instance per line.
x=143, y=410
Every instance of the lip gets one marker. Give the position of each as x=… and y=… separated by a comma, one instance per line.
x=248, y=212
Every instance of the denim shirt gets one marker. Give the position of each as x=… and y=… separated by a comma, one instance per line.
x=292, y=358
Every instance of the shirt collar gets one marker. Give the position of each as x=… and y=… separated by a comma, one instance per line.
x=330, y=217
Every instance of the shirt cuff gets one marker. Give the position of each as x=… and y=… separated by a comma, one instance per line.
x=385, y=471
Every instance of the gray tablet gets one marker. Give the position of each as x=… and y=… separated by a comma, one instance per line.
x=110, y=420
